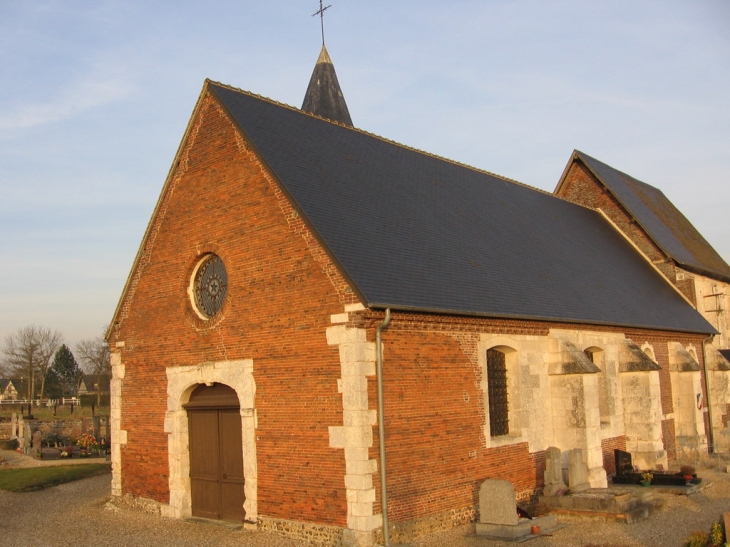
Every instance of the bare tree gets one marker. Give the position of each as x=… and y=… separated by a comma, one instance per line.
x=27, y=352
x=94, y=357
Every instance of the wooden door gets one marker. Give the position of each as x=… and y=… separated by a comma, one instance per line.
x=216, y=455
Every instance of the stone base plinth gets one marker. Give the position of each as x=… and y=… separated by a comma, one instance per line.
x=523, y=528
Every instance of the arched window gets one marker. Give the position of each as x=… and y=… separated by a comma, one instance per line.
x=649, y=352
x=497, y=393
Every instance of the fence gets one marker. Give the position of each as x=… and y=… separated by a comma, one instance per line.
x=74, y=401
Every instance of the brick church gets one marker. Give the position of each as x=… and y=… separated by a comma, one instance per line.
x=325, y=332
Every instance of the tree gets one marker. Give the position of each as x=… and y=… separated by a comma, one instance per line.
x=95, y=359
x=27, y=353
x=53, y=385
x=66, y=371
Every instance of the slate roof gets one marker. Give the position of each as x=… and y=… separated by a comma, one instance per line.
x=324, y=96
x=412, y=231
x=661, y=220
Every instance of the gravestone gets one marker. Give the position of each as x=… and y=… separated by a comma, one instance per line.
x=25, y=439
x=623, y=462
x=37, y=441
x=553, y=472
x=577, y=472
x=497, y=502
x=498, y=513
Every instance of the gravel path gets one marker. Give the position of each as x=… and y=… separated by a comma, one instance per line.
x=77, y=513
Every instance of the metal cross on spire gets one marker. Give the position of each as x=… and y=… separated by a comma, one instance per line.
x=321, y=16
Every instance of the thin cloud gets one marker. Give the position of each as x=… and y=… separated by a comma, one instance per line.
x=102, y=87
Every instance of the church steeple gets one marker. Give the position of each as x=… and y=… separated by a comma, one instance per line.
x=324, y=96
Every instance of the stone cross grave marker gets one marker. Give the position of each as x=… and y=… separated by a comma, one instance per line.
x=37, y=441
x=577, y=472
x=553, y=472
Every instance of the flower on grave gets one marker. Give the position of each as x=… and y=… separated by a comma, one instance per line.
x=63, y=454
x=647, y=477
x=87, y=441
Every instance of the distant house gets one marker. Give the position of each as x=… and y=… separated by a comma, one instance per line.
x=12, y=389
x=91, y=384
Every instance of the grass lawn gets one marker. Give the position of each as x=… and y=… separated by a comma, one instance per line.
x=29, y=479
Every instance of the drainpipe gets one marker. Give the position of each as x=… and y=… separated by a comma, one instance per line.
x=381, y=426
x=710, y=433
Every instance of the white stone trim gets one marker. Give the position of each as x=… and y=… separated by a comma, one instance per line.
x=118, y=435
x=181, y=381
x=355, y=436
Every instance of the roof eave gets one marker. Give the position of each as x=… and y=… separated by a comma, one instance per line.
x=701, y=271
x=572, y=321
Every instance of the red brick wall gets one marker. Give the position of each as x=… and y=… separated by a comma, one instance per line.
x=434, y=412
x=278, y=305
x=607, y=447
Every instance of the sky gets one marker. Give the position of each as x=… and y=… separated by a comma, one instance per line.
x=95, y=97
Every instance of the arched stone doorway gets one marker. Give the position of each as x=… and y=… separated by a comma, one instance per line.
x=216, y=455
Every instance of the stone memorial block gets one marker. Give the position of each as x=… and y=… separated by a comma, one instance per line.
x=498, y=513
x=497, y=502
x=23, y=435
x=37, y=441
x=577, y=471
x=553, y=472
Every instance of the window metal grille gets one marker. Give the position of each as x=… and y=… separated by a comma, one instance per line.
x=497, y=392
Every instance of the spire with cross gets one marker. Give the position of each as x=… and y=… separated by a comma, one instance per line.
x=321, y=16
x=324, y=96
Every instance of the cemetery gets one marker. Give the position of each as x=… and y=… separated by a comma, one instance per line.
x=622, y=501
x=86, y=437
x=626, y=473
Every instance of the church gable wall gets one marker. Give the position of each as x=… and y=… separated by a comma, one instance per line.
x=282, y=290
x=581, y=186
